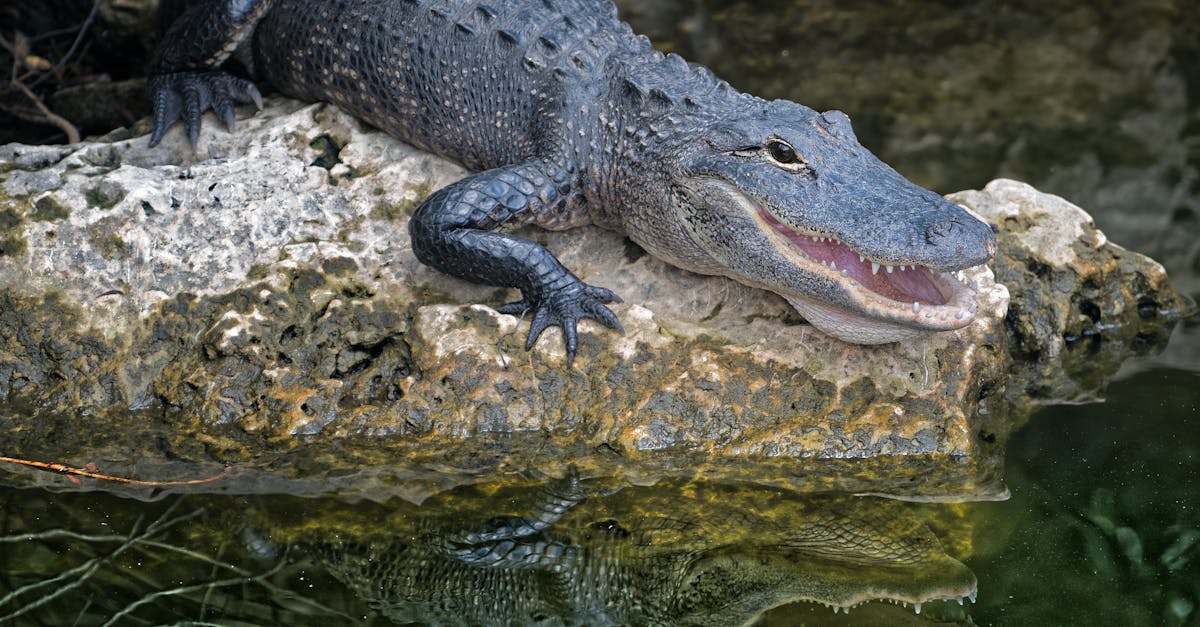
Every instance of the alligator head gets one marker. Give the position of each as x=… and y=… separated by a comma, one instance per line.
x=782, y=197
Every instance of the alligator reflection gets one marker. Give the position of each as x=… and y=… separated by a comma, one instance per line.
x=689, y=554
x=516, y=552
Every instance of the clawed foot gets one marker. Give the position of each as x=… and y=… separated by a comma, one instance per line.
x=564, y=308
x=187, y=95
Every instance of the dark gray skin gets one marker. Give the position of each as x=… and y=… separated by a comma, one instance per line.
x=569, y=118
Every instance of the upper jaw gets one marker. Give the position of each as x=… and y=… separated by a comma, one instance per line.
x=878, y=302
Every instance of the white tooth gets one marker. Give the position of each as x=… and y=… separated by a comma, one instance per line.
x=917, y=607
x=874, y=268
x=861, y=258
x=833, y=265
x=845, y=273
x=889, y=269
x=960, y=600
x=916, y=307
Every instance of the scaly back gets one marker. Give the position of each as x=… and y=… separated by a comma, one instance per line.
x=479, y=82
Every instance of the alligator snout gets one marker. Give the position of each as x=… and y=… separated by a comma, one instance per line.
x=961, y=240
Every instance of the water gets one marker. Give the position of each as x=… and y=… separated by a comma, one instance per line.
x=1094, y=101
x=1104, y=524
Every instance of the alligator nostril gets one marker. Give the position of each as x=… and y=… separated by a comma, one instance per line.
x=939, y=230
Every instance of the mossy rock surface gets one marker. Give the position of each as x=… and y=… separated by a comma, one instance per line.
x=245, y=303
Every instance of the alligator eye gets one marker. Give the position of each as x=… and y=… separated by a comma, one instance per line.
x=782, y=152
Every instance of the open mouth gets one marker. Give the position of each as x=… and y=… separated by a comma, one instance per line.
x=911, y=295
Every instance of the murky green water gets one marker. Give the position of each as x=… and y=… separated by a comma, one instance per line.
x=1104, y=523
x=1097, y=101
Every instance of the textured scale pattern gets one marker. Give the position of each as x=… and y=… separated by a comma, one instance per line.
x=570, y=118
x=478, y=82
x=452, y=232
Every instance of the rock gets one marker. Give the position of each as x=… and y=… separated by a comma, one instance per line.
x=1081, y=305
x=258, y=300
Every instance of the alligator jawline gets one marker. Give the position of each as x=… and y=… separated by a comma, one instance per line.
x=960, y=598
x=912, y=296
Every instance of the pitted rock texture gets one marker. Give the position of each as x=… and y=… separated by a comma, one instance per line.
x=1081, y=304
x=258, y=302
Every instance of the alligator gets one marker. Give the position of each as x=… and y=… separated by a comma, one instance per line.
x=700, y=554
x=569, y=118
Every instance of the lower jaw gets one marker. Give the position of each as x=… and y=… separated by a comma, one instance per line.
x=852, y=328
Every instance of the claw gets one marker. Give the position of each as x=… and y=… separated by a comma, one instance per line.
x=604, y=316
x=166, y=110
x=193, y=101
x=571, y=340
x=223, y=106
x=248, y=90
x=564, y=309
x=603, y=295
x=540, y=322
x=185, y=96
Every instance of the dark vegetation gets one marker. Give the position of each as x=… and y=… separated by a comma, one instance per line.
x=72, y=68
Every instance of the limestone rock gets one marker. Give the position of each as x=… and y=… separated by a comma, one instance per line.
x=1081, y=304
x=258, y=301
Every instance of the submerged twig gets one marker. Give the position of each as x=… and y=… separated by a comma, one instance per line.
x=232, y=581
x=57, y=534
x=83, y=472
x=143, y=538
x=84, y=571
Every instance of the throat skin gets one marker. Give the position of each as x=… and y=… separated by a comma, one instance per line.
x=568, y=118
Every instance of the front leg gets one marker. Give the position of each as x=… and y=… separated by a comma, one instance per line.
x=453, y=231
x=185, y=76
